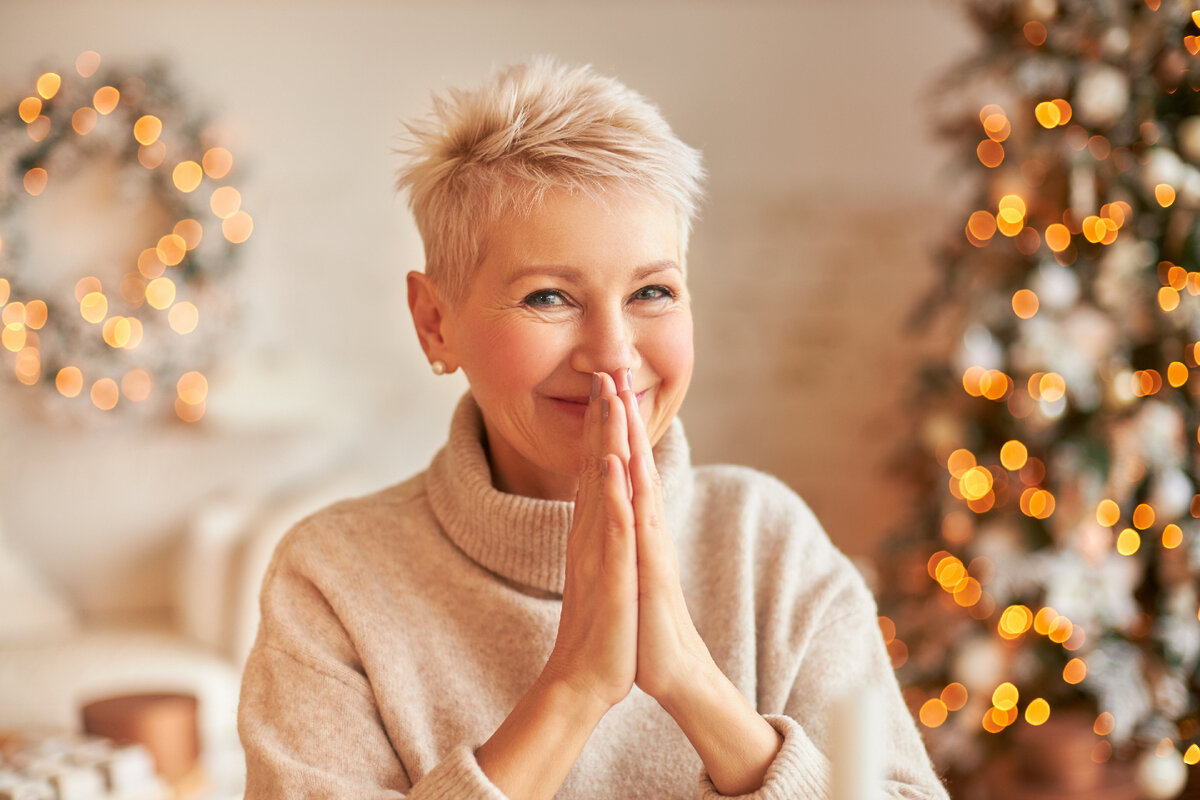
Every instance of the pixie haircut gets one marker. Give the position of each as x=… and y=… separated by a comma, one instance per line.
x=532, y=127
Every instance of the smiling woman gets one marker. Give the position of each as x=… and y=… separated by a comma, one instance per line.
x=562, y=605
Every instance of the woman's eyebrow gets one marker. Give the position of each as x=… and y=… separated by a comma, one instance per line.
x=575, y=275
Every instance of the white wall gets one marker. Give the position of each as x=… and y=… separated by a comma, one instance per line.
x=826, y=194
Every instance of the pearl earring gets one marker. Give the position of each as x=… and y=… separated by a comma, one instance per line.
x=439, y=367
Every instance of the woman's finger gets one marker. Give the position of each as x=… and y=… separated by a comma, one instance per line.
x=639, y=440
x=615, y=437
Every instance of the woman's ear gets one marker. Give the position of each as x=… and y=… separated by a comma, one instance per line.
x=430, y=318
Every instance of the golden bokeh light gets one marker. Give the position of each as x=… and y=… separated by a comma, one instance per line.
x=1058, y=237
x=149, y=264
x=192, y=388
x=971, y=378
x=1104, y=724
x=954, y=696
x=147, y=129
x=1005, y=696
x=28, y=366
x=1128, y=542
x=36, y=314
x=187, y=176
x=48, y=84
x=1192, y=756
x=1013, y=455
x=1014, y=621
x=1047, y=114
x=238, y=227
x=1172, y=536
x=1177, y=373
x=106, y=99
x=5, y=290
x=1044, y=619
x=1037, y=712
x=1107, y=513
x=990, y=153
x=87, y=63
x=190, y=231
x=935, y=561
x=136, y=385
x=1024, y=303
x=1035, y=32
x=1051, y=387
x=152, y=156
x=84, y=120
x=105, y=394
x=85, y=286
x=1075, y=671
x=225, y=202
x=975, y=483
x=887, y=629
x=94, y=307
x=217, y=162
x=933, y=713
x=160, y=293
x=13, y=336
x=1164, y=193
x=29, y=109
x=13, y=312
x=183, y=317
x=1168, y=298
x=171, y=249
x=1143, y=516
x=69, y=381
x=1060, y=630
x=35, y=181
x=189, y=412
x=997, y=126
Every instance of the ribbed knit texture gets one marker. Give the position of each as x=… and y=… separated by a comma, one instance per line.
x=400, y=629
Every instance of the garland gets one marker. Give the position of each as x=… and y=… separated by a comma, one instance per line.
x=117, y=222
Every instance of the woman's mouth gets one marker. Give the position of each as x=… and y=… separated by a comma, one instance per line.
x=577, y=405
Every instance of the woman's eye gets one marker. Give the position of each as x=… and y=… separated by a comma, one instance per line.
x=545, y=297
x=653, y=293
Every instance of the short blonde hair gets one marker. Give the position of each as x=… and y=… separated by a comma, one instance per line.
x=530, y=128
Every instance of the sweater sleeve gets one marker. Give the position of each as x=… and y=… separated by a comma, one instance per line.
x=846, y=654
x=818, y=640
x=307, y=716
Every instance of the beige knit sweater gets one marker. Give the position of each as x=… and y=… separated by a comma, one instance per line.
x=400, y=629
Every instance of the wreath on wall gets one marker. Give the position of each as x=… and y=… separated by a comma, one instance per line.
x=118, y=229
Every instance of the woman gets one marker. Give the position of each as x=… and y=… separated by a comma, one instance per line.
x=561, y=605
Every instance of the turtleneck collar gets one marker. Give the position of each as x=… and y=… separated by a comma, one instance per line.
x=524, y=539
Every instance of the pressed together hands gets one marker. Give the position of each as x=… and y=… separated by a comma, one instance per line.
x=624, y=619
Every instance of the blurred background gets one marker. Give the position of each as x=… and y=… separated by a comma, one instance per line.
x=206, y=334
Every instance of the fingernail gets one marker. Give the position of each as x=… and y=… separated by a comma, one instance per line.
x=595, y=385
x=629, y=379
x=604, y=408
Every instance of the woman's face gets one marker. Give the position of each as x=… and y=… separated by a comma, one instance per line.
x=572, y=289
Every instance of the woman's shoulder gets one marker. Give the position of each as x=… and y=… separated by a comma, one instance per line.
x=748, y=512
x=769, y=500
x=356, y=525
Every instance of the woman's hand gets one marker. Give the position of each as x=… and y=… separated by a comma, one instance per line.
x=670, y=651
x=595, y=652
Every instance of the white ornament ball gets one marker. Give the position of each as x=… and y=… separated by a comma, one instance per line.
x=1102, y=95
x=1188, y=134
x=979, y=664
x=1162, y=777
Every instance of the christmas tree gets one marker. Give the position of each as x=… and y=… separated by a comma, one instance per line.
x=1052, y=567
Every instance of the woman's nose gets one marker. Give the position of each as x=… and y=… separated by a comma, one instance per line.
x=607, y=343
